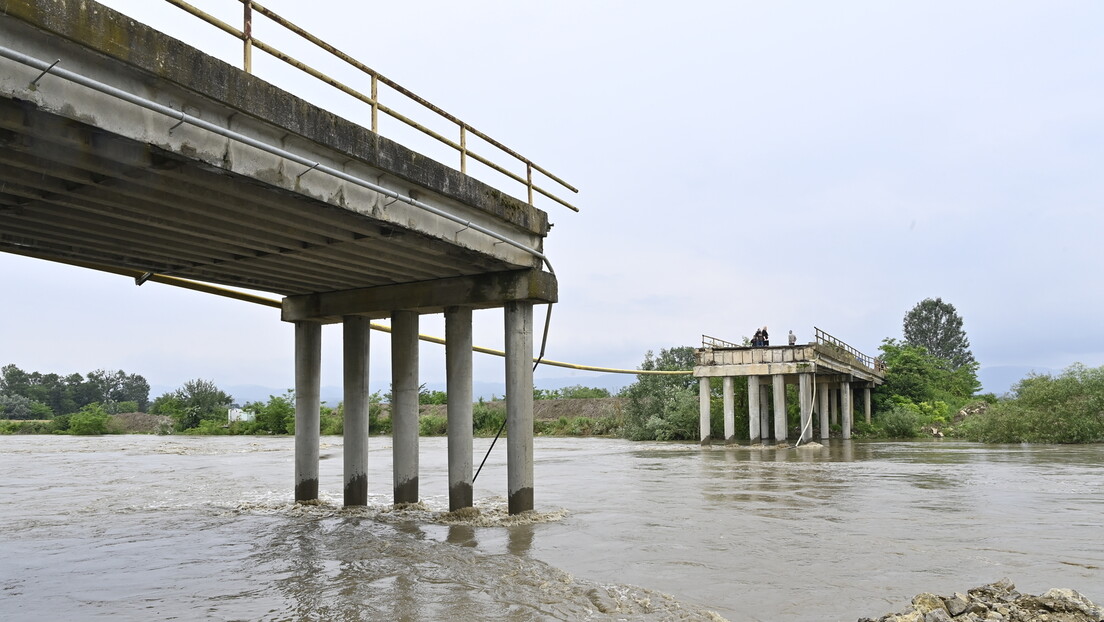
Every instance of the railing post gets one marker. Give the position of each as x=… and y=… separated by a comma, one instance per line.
x=463, y=150
x=247, y=38
x=529, y=180
x=375, y=104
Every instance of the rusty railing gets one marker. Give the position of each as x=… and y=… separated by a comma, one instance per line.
x=250, y=41
x=824, y=338
x=713, y=342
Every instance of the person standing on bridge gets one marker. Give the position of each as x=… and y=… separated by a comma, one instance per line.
x=765, y=340
x=757, y=339
x=793, y=338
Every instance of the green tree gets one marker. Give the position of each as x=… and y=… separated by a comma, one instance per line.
x=195, y=401
x=15, y=407
x=915, y=375
x=936, y=326
x=92, y=419
x=663, y=407
x=277, y=416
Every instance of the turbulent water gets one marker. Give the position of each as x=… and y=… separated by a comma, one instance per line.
x=188, y=528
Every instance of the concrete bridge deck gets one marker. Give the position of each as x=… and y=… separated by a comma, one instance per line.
x=136, y=152
x=826, y=371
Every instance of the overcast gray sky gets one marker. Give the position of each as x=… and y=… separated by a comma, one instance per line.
x=740, y=163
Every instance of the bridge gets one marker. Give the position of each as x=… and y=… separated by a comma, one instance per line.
x=125, y=150
x=825, y=370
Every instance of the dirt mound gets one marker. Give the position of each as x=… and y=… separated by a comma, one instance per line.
x=141, y=423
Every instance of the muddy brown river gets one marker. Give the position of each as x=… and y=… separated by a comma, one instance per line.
x=204, y=528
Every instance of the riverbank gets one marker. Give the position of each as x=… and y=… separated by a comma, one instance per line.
x=998, y=602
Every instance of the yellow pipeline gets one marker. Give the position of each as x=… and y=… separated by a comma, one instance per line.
x=269, y=302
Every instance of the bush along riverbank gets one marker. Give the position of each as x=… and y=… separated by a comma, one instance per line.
x=998, y=602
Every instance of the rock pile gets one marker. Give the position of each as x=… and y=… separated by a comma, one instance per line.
x=998, y=602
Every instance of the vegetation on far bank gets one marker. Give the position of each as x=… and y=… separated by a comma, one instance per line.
x=931, y=387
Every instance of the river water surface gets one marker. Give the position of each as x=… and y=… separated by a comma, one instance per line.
x=204, y=528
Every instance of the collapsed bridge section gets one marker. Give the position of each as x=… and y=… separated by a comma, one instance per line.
x=826, y=371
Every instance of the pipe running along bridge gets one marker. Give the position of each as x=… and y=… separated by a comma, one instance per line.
x=826, y=371
x=123, y=149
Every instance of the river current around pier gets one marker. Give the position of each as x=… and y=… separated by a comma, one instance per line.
x=204, y=528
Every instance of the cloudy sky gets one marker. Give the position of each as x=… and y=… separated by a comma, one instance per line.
x=793, y=164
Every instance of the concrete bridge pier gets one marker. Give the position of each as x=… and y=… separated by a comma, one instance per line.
x=753, y=410
x=703, y=410
x=458, y=378
x=805, y=398
x=822, y=409
x=845, y=406
x=764, y=413
x=308, y=366
x=779, y=392
x=356, y=331
x=866, y=403
x=833, y=404
x=519, y=405
x=404, y=405
x=729, y=409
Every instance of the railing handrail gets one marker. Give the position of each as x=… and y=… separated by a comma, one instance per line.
x=249, y=42
x=713, y=342
x=825, y=338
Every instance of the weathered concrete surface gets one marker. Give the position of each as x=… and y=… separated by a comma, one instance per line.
x=89, y=178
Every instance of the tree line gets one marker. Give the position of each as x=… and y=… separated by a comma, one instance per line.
x=34, y=395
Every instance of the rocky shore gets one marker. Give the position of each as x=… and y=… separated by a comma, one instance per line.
x=998, y=602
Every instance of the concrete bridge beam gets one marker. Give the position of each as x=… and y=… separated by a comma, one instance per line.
x=404, y=405
x=458, y=376
x=308, y=365
x=779, y=407
x=519, y=406
x=356, y=339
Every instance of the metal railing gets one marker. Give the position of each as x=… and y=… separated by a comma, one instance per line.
x=713, y=342
x=249, y=42
x=824, y=338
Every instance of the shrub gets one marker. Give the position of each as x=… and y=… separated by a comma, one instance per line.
x=433, y=425
x=486, y=419
x=901, y=422
x=91, y=420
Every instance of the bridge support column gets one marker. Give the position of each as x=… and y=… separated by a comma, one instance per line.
x=779, y=407
x=729, y=409
x=308, y=367
x=519, y=405
x=458, y=378
x=356, y=338
x=822, y=395
x=703, y=409
x=753, y=409
x=764, y=413
x=833, y=405
x=805, y=397
x=845, y=407
x=404, y=405
x=866, y=403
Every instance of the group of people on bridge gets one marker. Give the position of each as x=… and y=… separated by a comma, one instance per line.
x=761, y=339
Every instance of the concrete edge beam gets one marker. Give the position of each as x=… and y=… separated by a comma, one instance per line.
x=479, y=291
x=115, y=35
